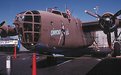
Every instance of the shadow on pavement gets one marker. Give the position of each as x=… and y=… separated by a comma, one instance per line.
x=109, y=66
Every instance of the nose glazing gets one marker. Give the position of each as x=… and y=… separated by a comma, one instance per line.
x=30, y=28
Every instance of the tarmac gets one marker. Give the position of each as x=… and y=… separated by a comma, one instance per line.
x=84, y=65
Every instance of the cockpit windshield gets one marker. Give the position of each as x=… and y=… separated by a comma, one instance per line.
x=57, y=12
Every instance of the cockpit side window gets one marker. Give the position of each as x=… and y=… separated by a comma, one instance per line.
x=65, y=15
x=56, y=12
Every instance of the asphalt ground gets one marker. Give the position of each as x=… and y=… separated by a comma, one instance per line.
x=84, y=65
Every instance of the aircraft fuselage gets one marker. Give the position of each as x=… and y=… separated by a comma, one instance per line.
x=52, y=30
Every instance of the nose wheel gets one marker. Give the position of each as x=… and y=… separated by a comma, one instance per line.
x=116, y=51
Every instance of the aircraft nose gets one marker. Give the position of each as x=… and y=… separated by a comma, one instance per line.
x=29, y=26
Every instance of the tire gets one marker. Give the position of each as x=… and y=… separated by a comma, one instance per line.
x=117, y=48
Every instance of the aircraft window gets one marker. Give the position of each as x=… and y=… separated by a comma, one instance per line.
x=36, y=27
x=27, y=26
x=36, y=18
x=28, y=18
x=35, y=12
x=28, y=37
x=36, y=37
x=56, y=12
x=65, y=15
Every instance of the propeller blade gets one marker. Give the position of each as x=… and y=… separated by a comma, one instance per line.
x=2, y=23
x=109, y=39
x=92, y=14
x=117, y=14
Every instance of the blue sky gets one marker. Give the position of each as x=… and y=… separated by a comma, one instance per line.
x=9, y=8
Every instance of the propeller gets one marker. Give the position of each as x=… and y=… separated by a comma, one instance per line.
x=2, y=23
x=108, y=23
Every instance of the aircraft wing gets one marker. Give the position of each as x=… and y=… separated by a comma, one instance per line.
x=91, y=26
x=108, y=22
x=95, y=26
